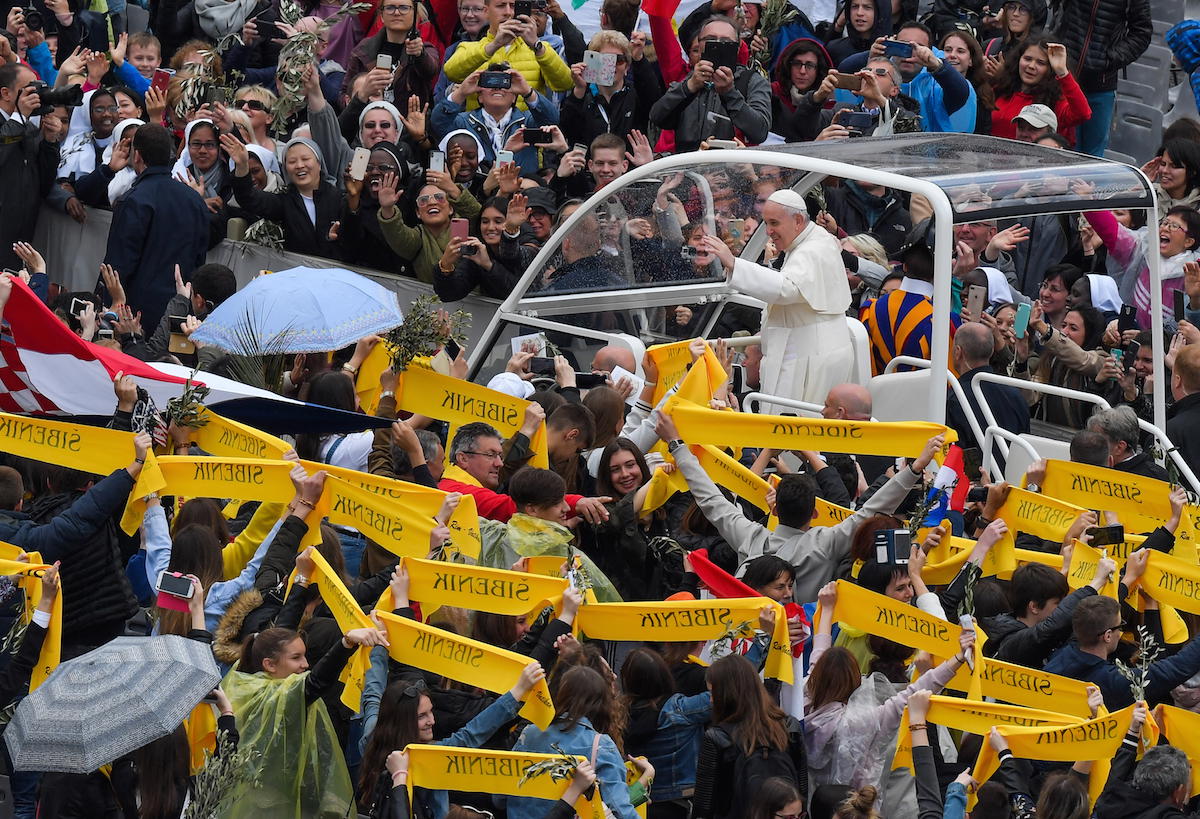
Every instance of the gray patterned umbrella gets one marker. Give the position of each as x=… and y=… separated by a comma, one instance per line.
x=108, y=702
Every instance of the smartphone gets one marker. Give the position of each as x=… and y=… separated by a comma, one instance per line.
x=178, y=342
x=1127, y=320
x=977, y=494
x=580, y=148
x=495, y=79
x=972, y=461
x=1107, y=535
x=892, y=546
x=266, y=29
x=460, y=228
x=104, y=333
x=413, y=34
x=897, y=48
x=358, y=165
x=716, y=144
x=437, y=161
x=721, y=53
x=976, y=301
x=216, y=94
x=162, y=79
x=451, y=348
x=850, y=82
x=175, y=584
x=1118, y=355
x=536, y=136
x=1180, y=305
x=598, y=68
x=1021, y=322
x=1131, y=354
x=523, y=8
x=504, y=157
x=78, y=306
x=736, y=228
x=856, y=122
x=587, y=381
x=539, y=365
x=384, y=61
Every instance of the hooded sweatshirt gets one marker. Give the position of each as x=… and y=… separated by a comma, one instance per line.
x=795, y=112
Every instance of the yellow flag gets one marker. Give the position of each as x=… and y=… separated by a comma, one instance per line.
x=1025, y=686
x=700, y=425
x=1172, y=581
x=366, y=382
x=703, y=378
x=1093, y=739
x=690, y=620
x=1141, y=504
x=672, y=361
x=974, y=717
x=223, y=437
x=201, y=729
x=903, y=623
x=479, y=588
x=425, y=392
x=661, y=488
x=1084, y=561
x=829, y=514
x=63, y=444
x=449, y=768
x=951, y=555
x=465, y=660
x=349, y=615
x=729, y=473
x=418, y=504
x=1037, y=515
x=1182, y=729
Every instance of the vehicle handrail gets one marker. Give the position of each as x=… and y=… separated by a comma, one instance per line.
x=1169, y=451
x=755, y=398
x=955, y=387
x=989, y=438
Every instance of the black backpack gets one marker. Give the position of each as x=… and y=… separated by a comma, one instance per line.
x=748, y=772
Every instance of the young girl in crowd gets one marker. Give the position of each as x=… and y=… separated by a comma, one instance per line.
x=1037, y=73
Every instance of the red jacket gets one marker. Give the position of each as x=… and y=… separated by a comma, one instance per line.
x=1072, y=110
x=491, y=504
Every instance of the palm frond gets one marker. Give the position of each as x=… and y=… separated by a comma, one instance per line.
x=421, y=334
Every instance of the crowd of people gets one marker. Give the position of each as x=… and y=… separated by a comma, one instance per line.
x=446, y=142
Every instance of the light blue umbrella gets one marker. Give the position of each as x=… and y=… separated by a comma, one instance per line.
x=301, y=310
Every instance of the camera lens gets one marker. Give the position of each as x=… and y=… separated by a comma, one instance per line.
x=33, y=19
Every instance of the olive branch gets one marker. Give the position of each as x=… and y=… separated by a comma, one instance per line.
x=422, y=333
x=187, y=410
x=559, y=768
x=1138, y=674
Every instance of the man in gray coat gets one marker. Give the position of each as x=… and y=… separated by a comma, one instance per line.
x=713, y=101
x=815, y=551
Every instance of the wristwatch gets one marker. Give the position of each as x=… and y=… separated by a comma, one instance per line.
x=674, y=445
x=1032, y=487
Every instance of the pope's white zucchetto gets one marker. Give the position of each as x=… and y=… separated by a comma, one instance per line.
x=790, y=200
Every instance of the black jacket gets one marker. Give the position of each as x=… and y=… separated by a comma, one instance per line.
x=582, y=120
x=300, y=235
x=1109, y=34
x=28, y=165
x=101, y=598
x=1183, y=428
x=159, y=224
x=889, y=224
x=509, y=261
x=1012, y=641
x=86, y=516
x=1144, y=465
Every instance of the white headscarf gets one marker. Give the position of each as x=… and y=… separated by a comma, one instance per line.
x=123, y=181
x=1105, y=296
x=78, y=156
x=214, y=176
x=998, y=290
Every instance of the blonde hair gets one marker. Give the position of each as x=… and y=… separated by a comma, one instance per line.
x=613, y=39
x=868, y=247
x=259, y=92
x=241, y=122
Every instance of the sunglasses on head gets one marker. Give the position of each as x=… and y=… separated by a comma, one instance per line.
x=417, y=688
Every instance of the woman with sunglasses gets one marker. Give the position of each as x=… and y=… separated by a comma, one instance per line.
x=438, y=201
x=258, y=103
x=404, y=714
x=310, y=208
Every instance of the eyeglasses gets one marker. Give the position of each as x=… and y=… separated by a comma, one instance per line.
x=372, y=168
x=715, y=39
x=1015, y=8
x=470, y=11
x=415, y=690
x=806, y=65
x=491, y=456
x=880, y=72
x=105, y=109
x=397, y=9
x=253, y=105
x=425, y=199
x=1172, y=226
x=203, y=146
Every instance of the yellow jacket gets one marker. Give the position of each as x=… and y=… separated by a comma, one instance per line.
x=543, y=72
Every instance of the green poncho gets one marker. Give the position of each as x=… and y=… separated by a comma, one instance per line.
x=302, y=770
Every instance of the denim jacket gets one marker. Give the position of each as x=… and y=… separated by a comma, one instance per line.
x=610, y=767
x=675, y=745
